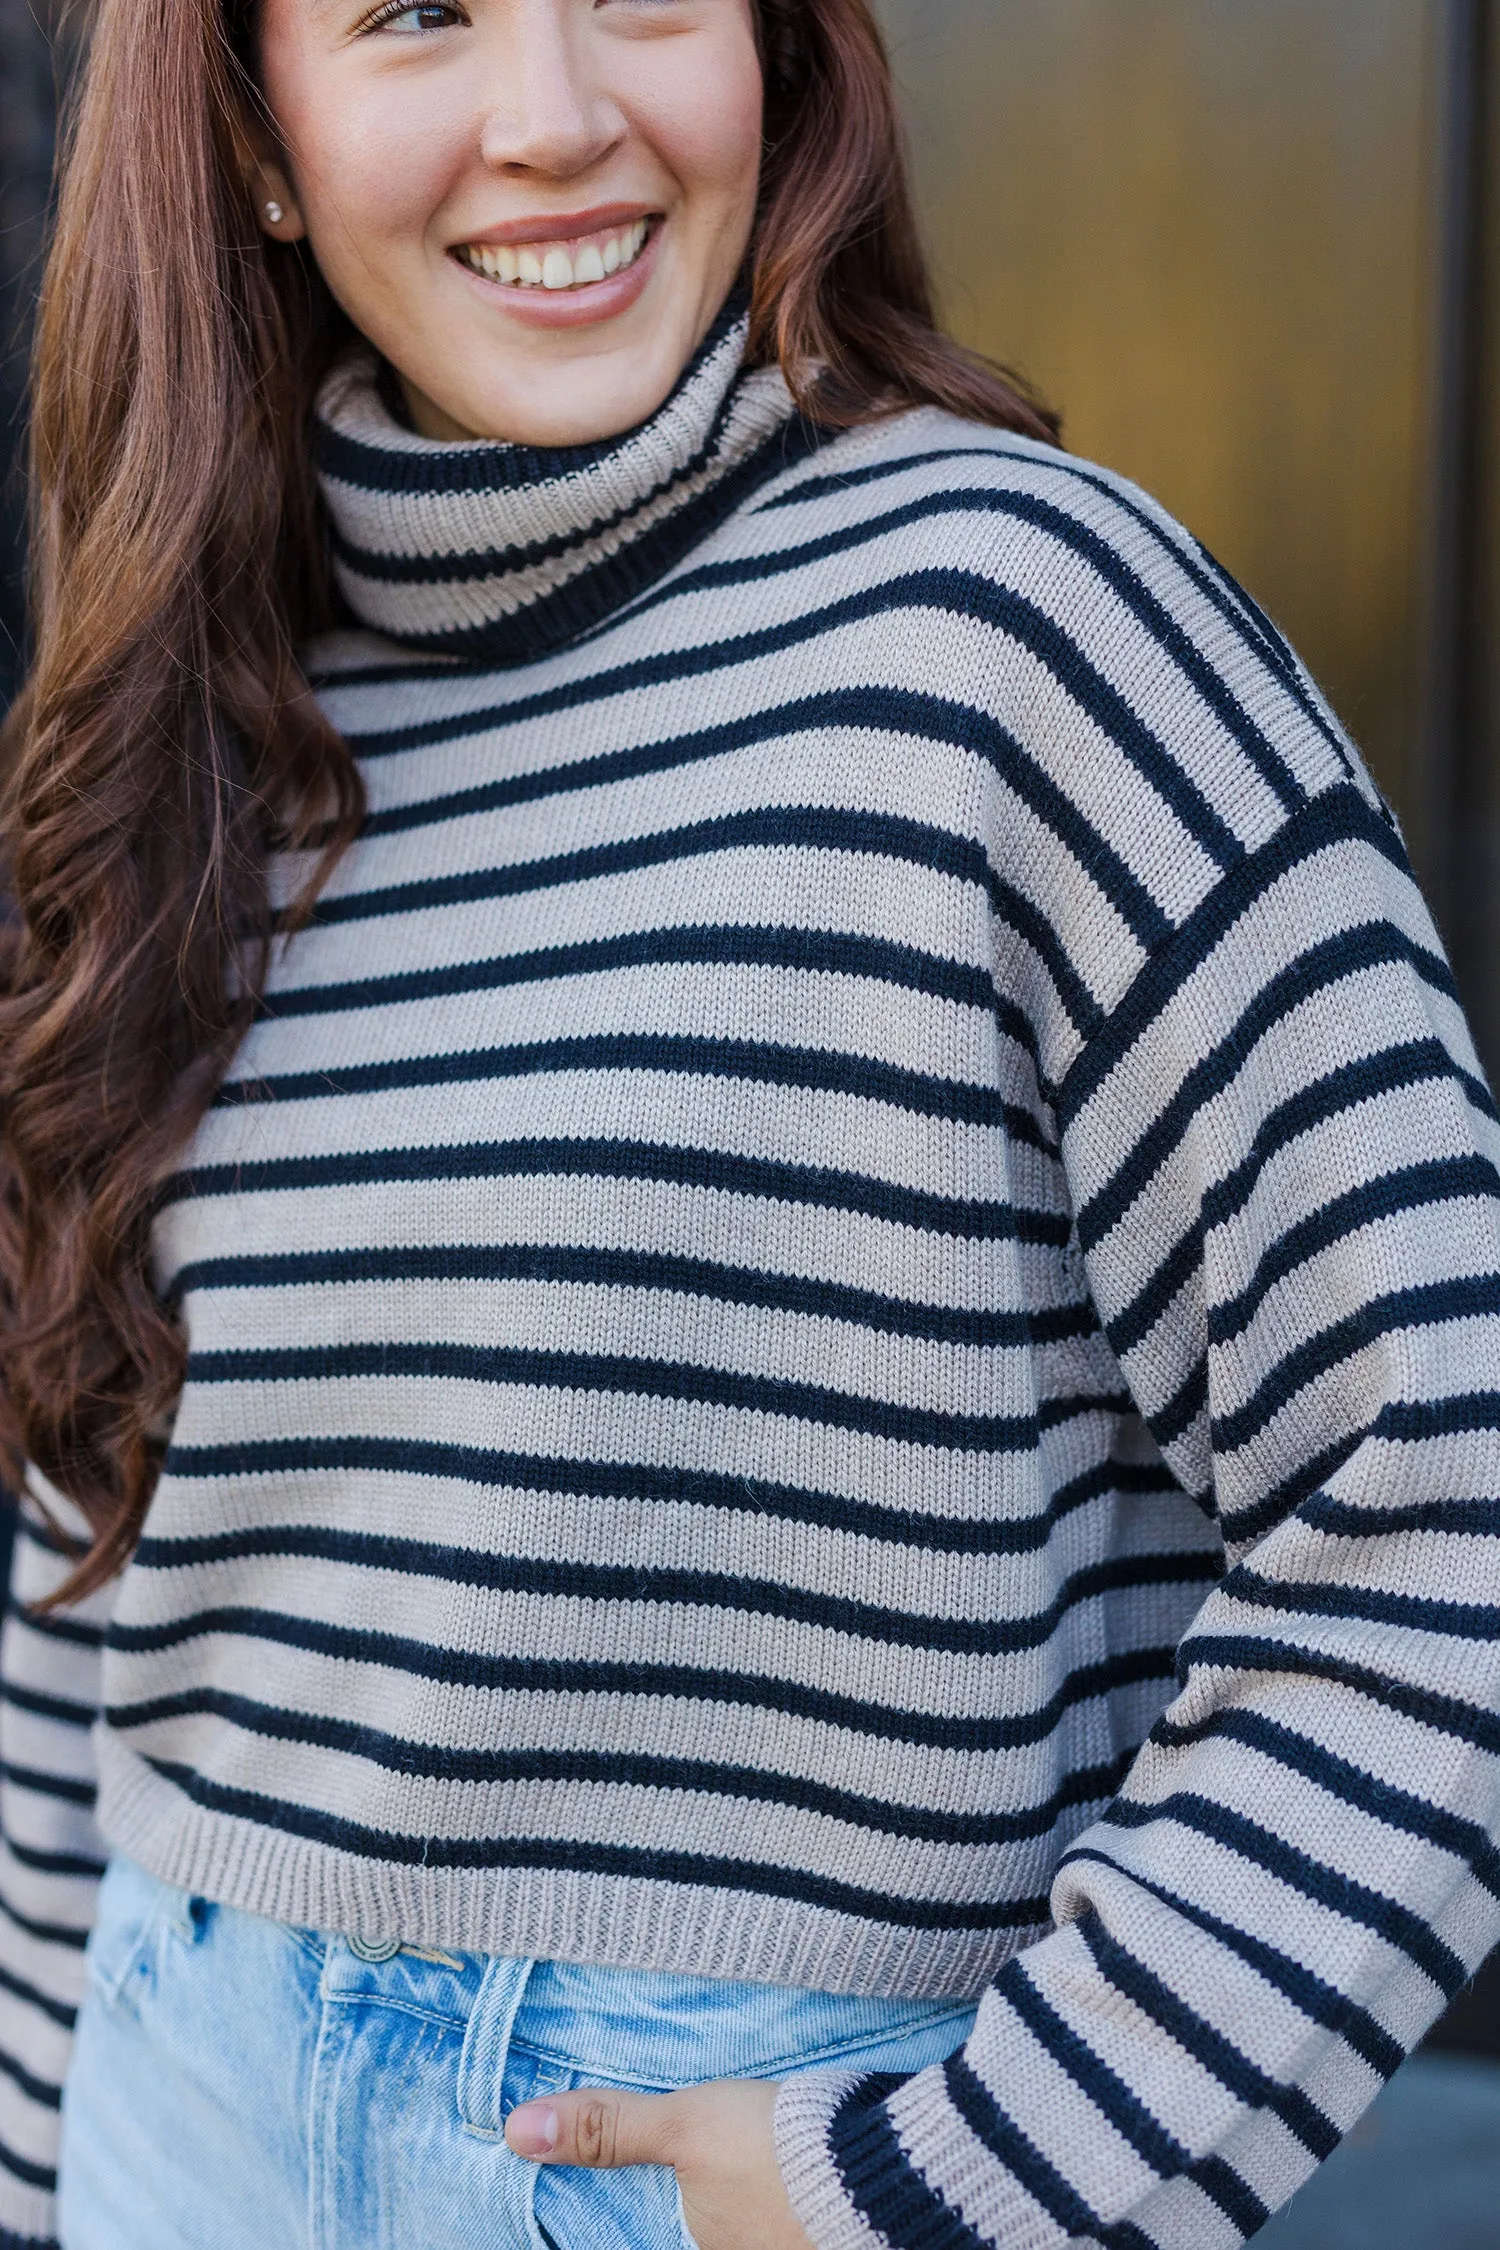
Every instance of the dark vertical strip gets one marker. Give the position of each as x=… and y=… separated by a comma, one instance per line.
x=1438, y=794
x=27, y=121
x=1476, y=917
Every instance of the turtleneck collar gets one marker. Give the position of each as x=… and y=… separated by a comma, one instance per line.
x=500, y=553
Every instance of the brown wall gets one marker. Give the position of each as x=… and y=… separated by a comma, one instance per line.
x=1208, y=229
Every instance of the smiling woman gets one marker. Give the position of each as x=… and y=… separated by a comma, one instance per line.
x=749, y=1254
x=420, y=149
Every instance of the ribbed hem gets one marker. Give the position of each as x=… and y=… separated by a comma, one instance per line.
x=804, y=2111
x=556, y=1914
x=28, y=2216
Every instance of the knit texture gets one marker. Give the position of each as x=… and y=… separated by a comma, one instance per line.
x=843, y=1327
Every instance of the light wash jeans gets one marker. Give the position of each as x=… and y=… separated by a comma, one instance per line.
x=238, y=2085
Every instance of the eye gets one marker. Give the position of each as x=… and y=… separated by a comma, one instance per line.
x=400, y=16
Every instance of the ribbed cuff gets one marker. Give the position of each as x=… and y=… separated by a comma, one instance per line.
x=28, y=2214
x=805, y=2109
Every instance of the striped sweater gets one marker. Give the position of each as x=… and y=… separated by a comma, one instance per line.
x=844, y=1328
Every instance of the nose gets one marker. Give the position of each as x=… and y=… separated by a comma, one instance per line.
x=550, y=113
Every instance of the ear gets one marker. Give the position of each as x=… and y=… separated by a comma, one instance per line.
x=263, y=168
x=276, y=204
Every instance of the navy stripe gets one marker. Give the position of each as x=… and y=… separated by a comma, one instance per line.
x=1108, y=2092
x=41, y=1862
x=1047, y=2186
x=1125, y=583
x=76, y=1632
x=669, y=1486
x=1357, y=1519
x=580, y=1676
x=1208, y=2047
x=1446, y=1714
x=1321, y=2002
x=620, y=1769
x=927, y=717
x=817, y=1070
x=59, y=1708
x=604, y=1582
x=891, y=710
x=1415, y=1816
x=1340, y=816
x=880, y=2181
x=592, y=598
x=39, y=2090
x=785, y=828
x=566, y=1266
x=688, y=1870
x=1393, y=1070
x=644, y=1378
x=63, y=1787
x=626, y=1160
x=1208, y=577
x=32, y=1996
x=1416, y=1187
x=817, y=952
x=45, y=1933
x=798, y=828
x=347, y=459
x=1415, y=1613
x=43, y=2176
x=498, y=466
x=1134, y=1323
x=1349, y=953
x=1126, y=2113
x=1414, y=1421
x=1430, y=1305
x=1324, y=1885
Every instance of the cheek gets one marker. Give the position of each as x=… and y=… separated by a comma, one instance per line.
x=370, y=180
x=368, y=172
x=370, y=160
x=705, y=123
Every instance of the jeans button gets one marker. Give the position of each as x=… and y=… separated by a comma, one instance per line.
x=374, y=1949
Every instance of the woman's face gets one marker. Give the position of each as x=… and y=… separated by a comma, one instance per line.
x=533, y=208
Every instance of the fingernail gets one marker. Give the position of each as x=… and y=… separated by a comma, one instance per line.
x=532, y=2130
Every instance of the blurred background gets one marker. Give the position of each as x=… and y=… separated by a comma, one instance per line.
x=1252, y=249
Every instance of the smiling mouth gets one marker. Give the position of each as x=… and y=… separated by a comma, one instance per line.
x=578, y=264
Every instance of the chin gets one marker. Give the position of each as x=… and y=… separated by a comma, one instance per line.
x=552, y=412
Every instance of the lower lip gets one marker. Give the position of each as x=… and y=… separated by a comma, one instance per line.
x=570, y=308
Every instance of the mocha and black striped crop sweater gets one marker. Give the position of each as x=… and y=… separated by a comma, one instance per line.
x=844, y=1328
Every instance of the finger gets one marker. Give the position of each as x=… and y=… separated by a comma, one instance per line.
x=598, y=2127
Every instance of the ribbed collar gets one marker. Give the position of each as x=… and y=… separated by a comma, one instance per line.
x=501, y=553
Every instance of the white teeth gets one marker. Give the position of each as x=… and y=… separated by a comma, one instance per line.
x=552, y=266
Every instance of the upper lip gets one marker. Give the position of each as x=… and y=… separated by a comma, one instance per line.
x=563, y=226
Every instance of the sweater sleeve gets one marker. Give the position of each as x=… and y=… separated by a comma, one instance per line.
x=51, y=1859
x=1282, y=1158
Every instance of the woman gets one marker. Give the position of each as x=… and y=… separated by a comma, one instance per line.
x=757, y=1279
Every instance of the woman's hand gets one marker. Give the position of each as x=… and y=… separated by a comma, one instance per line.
x=717, y=2139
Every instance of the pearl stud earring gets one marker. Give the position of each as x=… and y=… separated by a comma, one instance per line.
x=274, y=213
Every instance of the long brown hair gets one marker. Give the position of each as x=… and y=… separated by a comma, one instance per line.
x=166, y=740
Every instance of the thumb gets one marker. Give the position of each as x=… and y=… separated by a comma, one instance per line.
x=598, y=2126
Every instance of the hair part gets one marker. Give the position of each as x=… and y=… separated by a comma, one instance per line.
x=166, y=740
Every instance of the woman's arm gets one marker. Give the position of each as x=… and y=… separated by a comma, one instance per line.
x=51, y=1858
x=1283, y=1160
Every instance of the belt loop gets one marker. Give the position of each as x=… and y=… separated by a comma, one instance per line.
x=481, y=2069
